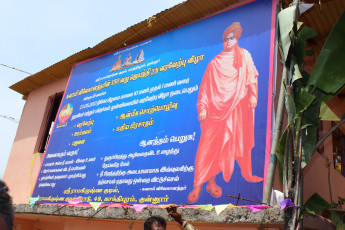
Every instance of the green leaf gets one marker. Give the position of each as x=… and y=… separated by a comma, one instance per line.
x=341, y=202
x=280, y=153
x=316, y=204
x=329, y=69
x=310, y=122
x=303, y=100
x=290, y=107
x=306, y=33
x=301, y=82
x=306, y=76
x=309, y=137
x=311, y=114
x=285, y=22
x=296, y=73
x=337, y=221
x=328, y=96
x=299, y=50
x=288, y=62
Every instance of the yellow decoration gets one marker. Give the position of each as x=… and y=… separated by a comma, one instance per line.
x=207, y=207
x=32, y=165
x=95, y=205
x=220, y=208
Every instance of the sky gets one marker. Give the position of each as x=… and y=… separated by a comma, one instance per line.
x=37, y=34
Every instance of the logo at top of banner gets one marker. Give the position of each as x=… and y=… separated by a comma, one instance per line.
x=65, y=114
x=128, y=61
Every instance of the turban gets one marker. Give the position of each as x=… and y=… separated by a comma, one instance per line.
x=234, y=28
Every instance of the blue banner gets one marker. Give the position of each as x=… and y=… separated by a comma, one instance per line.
x=179, y=118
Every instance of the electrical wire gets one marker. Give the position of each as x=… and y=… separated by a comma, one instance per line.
x=15, y=69
x=9, y=118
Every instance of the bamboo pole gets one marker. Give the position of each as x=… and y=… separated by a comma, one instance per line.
x=275, y=140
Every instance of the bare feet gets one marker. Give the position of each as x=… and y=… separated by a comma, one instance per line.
x=213, y=188
x=194, y=195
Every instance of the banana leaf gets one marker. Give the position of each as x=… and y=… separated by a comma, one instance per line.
x=290, y=107
x=285, y=25
x=296, y=73
x=306, y=33
x=310, y=122
x=299, y=50
x=337, y=221
x=280, y=154
x=303, y=100
x=309, y=136
x=328, y=72
x=316, y=204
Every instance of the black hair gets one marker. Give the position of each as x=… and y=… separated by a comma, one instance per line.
x=6, y=208
x=154, y=219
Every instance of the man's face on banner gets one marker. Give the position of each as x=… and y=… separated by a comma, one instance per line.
x=230, y=41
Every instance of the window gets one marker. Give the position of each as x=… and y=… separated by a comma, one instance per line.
x=54, y=105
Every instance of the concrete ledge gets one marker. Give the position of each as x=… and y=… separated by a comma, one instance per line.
x=317, y=222
x=242, y=215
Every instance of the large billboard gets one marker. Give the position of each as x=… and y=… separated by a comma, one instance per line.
x=183, y=117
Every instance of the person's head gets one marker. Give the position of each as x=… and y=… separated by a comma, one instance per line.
x=6, y=208
x=231, y=35
x=229, y=41
x=155, y=223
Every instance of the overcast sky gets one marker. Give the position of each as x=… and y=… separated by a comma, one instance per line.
x=37, y=34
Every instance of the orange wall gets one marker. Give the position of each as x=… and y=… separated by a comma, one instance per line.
x=36, y=224
x=17, y=174
x=316, y=173
x=41, y=222
x=23, y=224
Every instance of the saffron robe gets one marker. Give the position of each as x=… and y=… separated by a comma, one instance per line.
x=227, y=133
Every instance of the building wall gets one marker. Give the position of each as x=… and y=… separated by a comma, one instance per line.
x=27, y=140
x=320, y=175
x=40, y=222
